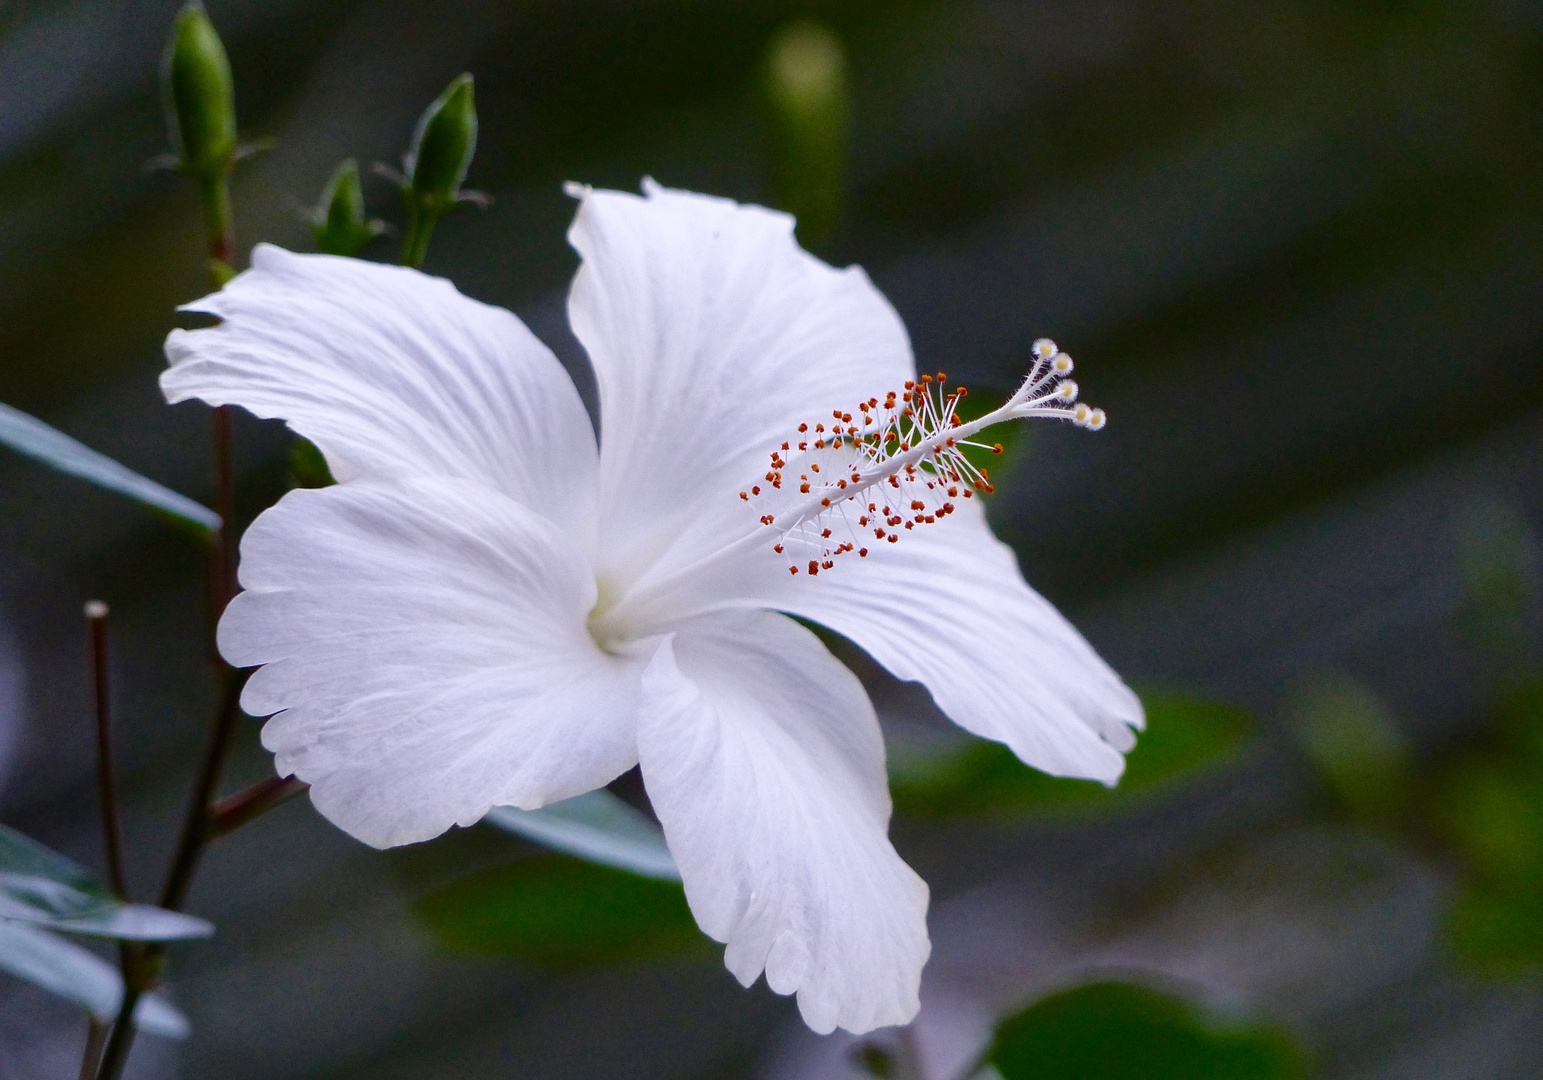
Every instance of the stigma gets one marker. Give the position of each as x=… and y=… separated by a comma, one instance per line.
x=869, y=476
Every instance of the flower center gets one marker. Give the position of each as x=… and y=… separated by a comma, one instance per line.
x=897, y=464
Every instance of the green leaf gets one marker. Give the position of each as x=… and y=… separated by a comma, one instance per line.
x=1185, y=737
x=1493, y=812
x=307, y=467
x=1349, y=735
x=558, y=912
x=76, y=974
x=1498, y=930
x=596, y=826
x=1489, y=807
x=30, y=436
x=1520, y=718
x=1120, y=1031
x=40, y=886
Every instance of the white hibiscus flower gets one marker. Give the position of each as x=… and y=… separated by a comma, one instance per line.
x=487, y=609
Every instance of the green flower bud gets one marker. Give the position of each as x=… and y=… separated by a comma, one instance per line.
x=200, y=95
x=442, y=147
x=339, y=224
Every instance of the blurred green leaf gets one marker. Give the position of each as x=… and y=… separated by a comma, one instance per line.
x=1349, y=735
x=1498, y=930
x=558, y=912
x=875, y=1061
x=1120, y=1031
x=1492, y=811
x=806, y=90
x=1489, y=807
x=64, y=968
x=1185, y=737
x=1519, y=713
x=40, y=886
x=1496, y=556
x=596, y=826
x=30, y=436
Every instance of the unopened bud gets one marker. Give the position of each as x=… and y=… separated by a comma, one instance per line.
x=442, y=147
x=200, y=96
x=339, y=224
x=441, y=152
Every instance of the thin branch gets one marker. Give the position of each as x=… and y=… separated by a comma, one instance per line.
x=142, y=964
x=122, y=1038
x=230, y=814
x=195, y=826
x=96, y=1036
x=107, y=788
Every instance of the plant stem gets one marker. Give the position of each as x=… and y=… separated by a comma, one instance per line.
x=117, y=1052
x=141, y=964
x=230, y=814
x=107, y=789
x=219, y=222
x=96, y=1035
x=195, y=826
x=420, y=228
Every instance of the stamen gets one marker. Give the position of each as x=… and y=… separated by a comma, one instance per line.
x=913, y=442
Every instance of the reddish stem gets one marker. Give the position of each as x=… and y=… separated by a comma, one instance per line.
x=107, y=788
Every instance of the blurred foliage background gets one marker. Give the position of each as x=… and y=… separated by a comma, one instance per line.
x=1297, y=249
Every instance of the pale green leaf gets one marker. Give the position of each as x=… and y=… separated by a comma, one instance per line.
x=598, y=827
x=76, y=974
x=40, y=886
x=30, y=436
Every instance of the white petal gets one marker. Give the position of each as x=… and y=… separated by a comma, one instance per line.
x=713, y=337
x=947, y=607
x=393, y=373
x=426, y=643
x=763, y=760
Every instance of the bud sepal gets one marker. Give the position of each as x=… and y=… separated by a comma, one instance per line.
x=339, y=223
